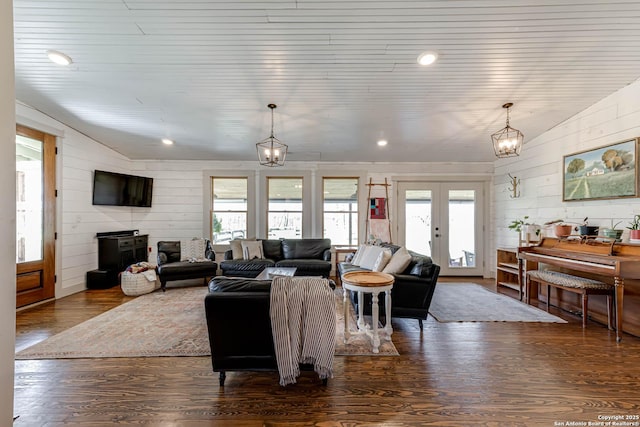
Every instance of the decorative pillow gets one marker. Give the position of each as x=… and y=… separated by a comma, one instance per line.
x=382, y=260
x=251, y=249
x=236, y=248
x=358, y=255
x=193, y=249
x=399, y=261
x=370, y=257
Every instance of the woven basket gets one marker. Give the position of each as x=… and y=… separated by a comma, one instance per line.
x=137, y=284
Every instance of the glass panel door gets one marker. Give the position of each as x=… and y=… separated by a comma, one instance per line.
x=443, y=220
x=35, y=216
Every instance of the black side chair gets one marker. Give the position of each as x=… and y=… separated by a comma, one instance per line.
x=170, y=267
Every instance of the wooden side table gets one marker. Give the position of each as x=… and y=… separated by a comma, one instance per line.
x=368, y=282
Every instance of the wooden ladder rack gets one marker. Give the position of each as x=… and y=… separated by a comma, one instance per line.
x=386, y=186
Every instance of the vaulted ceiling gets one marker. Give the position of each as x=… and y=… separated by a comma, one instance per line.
x=343, y=73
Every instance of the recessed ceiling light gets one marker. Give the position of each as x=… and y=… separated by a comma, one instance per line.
x=167, y=141
x=382, y=142
x=427, y=58
x=59, y=57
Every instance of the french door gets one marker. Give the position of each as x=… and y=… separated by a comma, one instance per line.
x=445, y=221
x=35, y=216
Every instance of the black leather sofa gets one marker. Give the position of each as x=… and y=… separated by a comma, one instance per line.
x=311, y=257
x=171, y=268
x=412, y=289
x=239, y=326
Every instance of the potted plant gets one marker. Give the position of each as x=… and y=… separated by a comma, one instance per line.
x=517, y=224
x=560, y=228
x=634, y=226
x=612, y=232
x=587, y=230
x=528, y=232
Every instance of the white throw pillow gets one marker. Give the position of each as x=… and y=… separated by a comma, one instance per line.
x=358, y=255
x=236, y=248
x=251, y=249
x=370, y=257
x=383, y=260
x=399, y=262
x=193, y=249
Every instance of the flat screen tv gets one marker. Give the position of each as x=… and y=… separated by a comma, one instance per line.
x=118, y=189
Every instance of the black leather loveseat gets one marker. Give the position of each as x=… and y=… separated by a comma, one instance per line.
x=170, y=267
x=412, y=289
x=311, y=257
x=239, y=325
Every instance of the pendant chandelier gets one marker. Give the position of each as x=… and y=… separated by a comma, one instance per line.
x=507, y=142
x=271, y=152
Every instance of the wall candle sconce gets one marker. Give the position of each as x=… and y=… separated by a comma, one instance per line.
x=515, y=191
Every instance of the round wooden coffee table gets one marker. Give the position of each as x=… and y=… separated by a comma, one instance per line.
x=371, y=282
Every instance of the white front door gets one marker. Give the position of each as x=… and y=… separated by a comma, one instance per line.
x=445, y=221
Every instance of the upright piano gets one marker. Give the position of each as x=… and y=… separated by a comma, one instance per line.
x=598, y=256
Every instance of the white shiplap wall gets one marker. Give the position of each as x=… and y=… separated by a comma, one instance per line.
x=80, y=219
x=177, y=206
x=614, y=119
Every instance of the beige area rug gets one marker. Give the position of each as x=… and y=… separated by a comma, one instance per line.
x=468, y=302
x=358, y=344
x=170, y=323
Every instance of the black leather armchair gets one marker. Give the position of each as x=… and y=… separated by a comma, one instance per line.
x=412, y=290
x=170, y=267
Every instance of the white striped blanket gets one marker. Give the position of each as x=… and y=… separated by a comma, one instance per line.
x=303, y=325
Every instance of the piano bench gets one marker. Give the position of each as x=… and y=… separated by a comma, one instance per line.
x=578, y=285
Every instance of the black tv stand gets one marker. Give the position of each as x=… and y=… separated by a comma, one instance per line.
x=116, y=251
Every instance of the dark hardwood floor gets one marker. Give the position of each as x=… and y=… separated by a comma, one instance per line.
x=449, y=374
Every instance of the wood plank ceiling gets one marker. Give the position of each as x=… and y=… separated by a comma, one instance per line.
x=343, y=73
